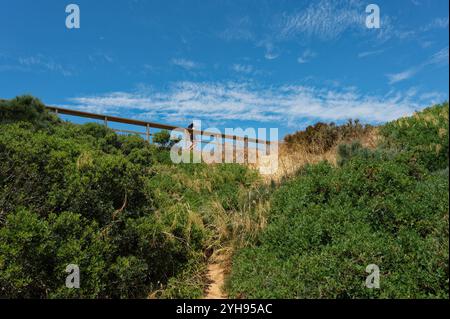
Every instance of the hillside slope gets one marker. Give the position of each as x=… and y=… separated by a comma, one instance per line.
x=134, y=223
x=140, y=226
x=387, y=207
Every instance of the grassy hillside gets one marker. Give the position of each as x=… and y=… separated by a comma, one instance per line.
x=387, y=207
x=134, y=223
x=139, y=226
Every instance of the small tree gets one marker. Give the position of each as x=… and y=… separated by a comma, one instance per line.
x=26, y=108
x=162, y=138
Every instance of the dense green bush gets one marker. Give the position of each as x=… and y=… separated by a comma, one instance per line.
x=116, y=206
x=25, y=108
x=425, y=135
x=387, y=207
x=35, y=252
x=162, y=138
x=346, y=151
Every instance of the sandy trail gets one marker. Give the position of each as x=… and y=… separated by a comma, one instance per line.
x=216, y=279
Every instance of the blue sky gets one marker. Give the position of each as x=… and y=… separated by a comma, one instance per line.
x=284, y=64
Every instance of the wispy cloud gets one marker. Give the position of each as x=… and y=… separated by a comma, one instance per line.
x=401, y=76
x=271, y=51
x=440, y=58
x=100, y=57
x=239, y=29
x=437, y=23
x=269, y=55
x=324, y=19
x=185, y=63
x=330, y=19
x=42, y=63
x=233, y=102
x=306, y=56
x=242, y=68
x=365, y=54
x=392, y=30
x=243, y=29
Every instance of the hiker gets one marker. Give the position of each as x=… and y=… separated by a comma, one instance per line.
x=191, y=136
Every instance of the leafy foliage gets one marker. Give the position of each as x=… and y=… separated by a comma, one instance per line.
x=424, y=136
x=116, y=206
x=25, y=108
x=387, y=207
x=162, y=138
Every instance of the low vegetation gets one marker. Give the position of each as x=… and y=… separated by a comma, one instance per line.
x=387, y=206
x=135, y=224
x=320, y=142
x=322, y=137
x=140, y=226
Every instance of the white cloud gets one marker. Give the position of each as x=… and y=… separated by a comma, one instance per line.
x=185, y=64
x=239, y=29
x=100, y=57
x=292, y=105
x=43, y=63
x=330, y=19
x=306, y=56
x=440, y=58
x=433, y=97
x=437, y=23
x=324, y=19
x=271, y=51
x=242, y=68
x=401, y=76
x=271, y=55
x=369, y=53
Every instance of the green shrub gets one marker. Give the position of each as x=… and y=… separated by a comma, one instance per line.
x=387, y=207
x=26, y=108
x=36, y=251
x=162, y=138
x=116, y=206
x=328, y=225
x=425, y=135
x=346, y=151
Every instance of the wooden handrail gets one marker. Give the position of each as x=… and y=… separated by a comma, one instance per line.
x=110, y=118
x=129, y=131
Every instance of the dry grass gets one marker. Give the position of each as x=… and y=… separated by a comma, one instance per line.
x=292, y=158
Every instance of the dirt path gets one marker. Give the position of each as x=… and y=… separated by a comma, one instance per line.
x=216, y=279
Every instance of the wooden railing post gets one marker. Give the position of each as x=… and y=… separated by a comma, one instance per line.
x=106, y=121
x=245, y=149
x=148, y=133
x=234, y=149
x=224, y=149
